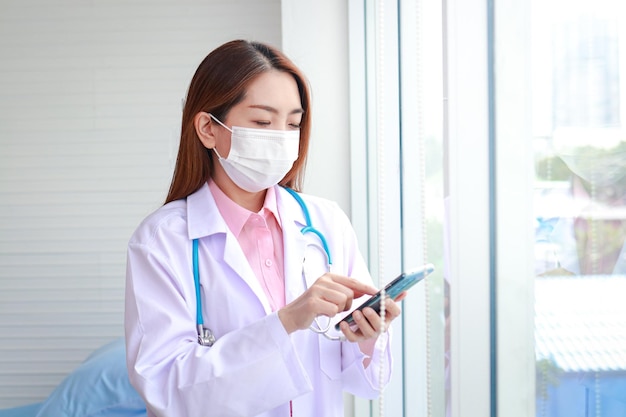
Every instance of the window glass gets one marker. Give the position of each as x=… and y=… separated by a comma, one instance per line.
x=397, y=174
x=579, y=142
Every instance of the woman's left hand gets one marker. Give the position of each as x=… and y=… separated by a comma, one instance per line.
x=367, y=324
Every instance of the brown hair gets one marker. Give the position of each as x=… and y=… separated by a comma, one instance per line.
x=220, y=82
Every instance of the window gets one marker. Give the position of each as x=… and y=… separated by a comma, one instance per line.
x=397, y=172
x=534, y=183
x=579, y=144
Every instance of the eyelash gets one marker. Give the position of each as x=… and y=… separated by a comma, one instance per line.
x=266, y=123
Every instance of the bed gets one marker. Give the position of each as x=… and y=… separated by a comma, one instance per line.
x=99, y=387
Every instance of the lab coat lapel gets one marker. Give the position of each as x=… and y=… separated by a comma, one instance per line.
x=205, y=221
x=294, y=257
x=238, y=263
x=295, y=244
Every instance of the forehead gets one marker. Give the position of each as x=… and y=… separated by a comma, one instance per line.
x=276, y=89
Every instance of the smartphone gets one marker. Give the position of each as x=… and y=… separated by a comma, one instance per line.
x=401, y=283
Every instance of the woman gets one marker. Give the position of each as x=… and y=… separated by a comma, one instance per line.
x=263, y=283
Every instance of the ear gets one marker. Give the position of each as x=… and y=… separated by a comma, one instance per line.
x=204, y=129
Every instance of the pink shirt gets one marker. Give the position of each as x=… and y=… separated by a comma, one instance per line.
x=261, y=239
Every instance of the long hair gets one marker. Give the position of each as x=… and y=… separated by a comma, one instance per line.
x=219, y=83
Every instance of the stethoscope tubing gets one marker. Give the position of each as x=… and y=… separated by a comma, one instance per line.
x=205, y=334
x=309, y=226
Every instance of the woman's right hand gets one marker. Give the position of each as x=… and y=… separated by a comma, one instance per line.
x=329, y=295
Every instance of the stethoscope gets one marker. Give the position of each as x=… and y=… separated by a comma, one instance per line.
x=206, y=336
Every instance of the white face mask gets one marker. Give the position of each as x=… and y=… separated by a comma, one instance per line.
x=259, y=158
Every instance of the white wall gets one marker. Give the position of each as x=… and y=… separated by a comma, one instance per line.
x=90, y=101
x=315, y=36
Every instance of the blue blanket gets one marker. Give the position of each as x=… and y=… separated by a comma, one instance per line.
x=99, y=387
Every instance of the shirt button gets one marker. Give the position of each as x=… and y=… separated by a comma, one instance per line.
x=268, y=262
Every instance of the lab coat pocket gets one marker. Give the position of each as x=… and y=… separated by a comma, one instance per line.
x=330, y=358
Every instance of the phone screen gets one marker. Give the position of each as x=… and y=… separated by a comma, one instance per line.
x=401, y=283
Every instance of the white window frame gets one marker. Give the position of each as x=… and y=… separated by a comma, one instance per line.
x=466, y=124
x=514, y=170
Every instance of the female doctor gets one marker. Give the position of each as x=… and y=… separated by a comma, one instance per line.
x=267, y=286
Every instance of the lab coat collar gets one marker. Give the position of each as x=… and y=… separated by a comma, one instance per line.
x=288, y=204
x=203, y=216
x=202, y=211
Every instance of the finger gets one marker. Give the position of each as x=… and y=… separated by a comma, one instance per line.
x=335, y=292
x=351, y=335
x=359, y=288
x=368, y=322
x=396, y=310
x=342, y=299
x=320, y=300
x=335, y=283
x=392, y=308
x=392, y=311
x=326, y=308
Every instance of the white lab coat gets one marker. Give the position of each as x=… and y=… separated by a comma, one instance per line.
x=255, y=368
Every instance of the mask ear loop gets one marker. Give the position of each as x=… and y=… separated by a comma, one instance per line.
x=225, y=127
x=222, y=124
x=217, y=153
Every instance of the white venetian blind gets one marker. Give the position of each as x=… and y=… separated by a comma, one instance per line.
x=90, y=102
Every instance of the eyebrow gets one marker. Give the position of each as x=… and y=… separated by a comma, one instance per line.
x=273, y=110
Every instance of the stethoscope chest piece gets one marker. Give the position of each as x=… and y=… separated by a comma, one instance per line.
x=205, y=336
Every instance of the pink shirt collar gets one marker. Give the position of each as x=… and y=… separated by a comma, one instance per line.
x=236, y=216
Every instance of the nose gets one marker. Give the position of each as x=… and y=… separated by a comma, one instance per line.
x=285, y=125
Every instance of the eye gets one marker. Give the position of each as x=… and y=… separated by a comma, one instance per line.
x=262, y=122
x=294, y=122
